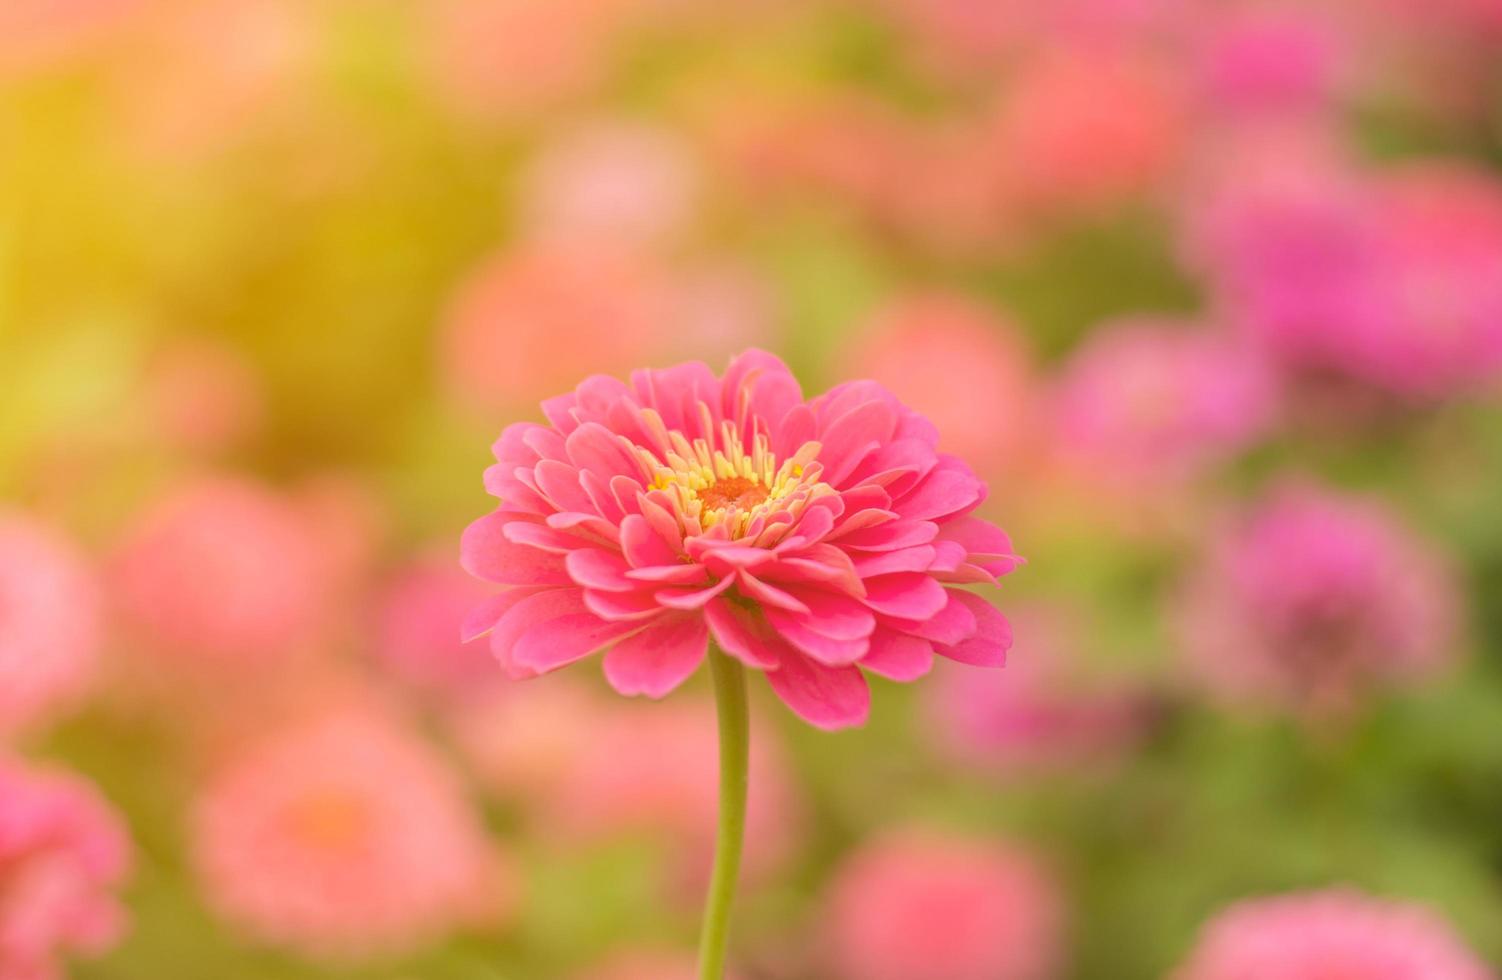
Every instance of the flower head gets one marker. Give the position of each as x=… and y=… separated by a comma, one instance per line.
x=63, y=852
x=1312, y=600
x=342, y=835
x=49, y=623
x=1327, y=934
x=918, y=906
x=811, y=538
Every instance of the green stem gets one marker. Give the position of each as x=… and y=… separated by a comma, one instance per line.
x=735, y=752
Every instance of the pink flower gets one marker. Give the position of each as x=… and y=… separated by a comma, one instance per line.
x=654, y=772
x=1327, y=934
x=1149, y=401
x=612, y=181
x=812, y=539
x=525, y=747
x=643, y=965
x=1040, y=714
x=1392, y=279
x=63, y=854
x=201, y=396
x=343, y=835
x=961, y=365
x=526, y=323
x=917, y=906
x=1279, y=59
x=49, y=623
x=1312, y=600
x=224, y=570
x=1091, y=128
x=418, y=622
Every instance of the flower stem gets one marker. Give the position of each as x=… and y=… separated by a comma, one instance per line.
x=735, y=751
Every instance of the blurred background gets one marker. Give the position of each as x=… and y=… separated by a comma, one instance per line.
x=1210, y=292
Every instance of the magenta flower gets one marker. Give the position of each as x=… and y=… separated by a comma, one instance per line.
x=1312, y=601
x=814, y=540
x=1335, y=933
x=63, y=853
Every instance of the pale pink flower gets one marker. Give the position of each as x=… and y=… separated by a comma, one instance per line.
x=49, y=623
x=812, y=538
x=1312, y=600
x=918, y=905
x=1152, y=400
x=524, y=744
x=962, y=365
x=1085, y=128
x=1323, y=935
x=617, y=181
x=525, y=324
x=418, y=620
x=201, y=396
x=36, y=35
x=1393, y=279
x=343, y=835
x=653, y=771
x=500, y=59
x=64, y=853
x=1044, y=713
x=1282, y=58
x=643, y=965
x=221, y=569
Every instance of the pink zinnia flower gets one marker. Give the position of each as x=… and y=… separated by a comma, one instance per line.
x=1312, y=600
x=1043, y=713
x=1150, y=401
x=224, y=570
x=1273, y=59
x=63, y=854
x=344, y=835
x=49, y=623
x=811, y=538
x=1328, y=934
x=964, y=367
x=919, y=906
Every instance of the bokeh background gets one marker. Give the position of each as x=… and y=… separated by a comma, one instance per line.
x=1210, y=292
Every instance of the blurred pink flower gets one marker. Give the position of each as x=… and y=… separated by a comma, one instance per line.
x=1148, y=401
x=919, y=906
x=526, y=323
x=1278, y=58
x=507, y=58
x=345, y=835
x=1312, y=600
x=962, y=365
x=1393, y=279
x=1084, y=128
x=63, y=854
x=644, y=965
x=627, y=520
x=1328, y=934
x=522, y=745
x=37, y=35
x=1041, y=714
x=654, y=771
x=221, y=569
x=628, y=183
x=49, y=623
x=418, y=620
x=201, y=396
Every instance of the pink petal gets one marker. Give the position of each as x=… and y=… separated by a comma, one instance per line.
x=486, y=553
x=992, y=639
x=532, y=609
x=595, y=568
x=644, y=547
x=950, y=489
x=906, y=595
x=832, y=614
x=954, y=623
x=558, y=642
x=826, y=697
x=596, y=449
x=755, y=589
x=541, y=537
x=621, y=606
x=483, y=618
x=898, y=656
x=669, y=575
x=852, y=437
x=917, y=559
x=560, y=483
x=659, y=658
x=891, y=536
x=980, y=538
x=825, y=649
x=742, y=633
x=677, y=598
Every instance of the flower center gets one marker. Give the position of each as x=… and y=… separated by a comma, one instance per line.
x=725, y=483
